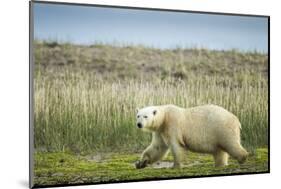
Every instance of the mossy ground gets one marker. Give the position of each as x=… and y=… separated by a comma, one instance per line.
x=66, y=168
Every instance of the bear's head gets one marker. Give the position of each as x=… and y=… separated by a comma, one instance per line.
x=148, y=118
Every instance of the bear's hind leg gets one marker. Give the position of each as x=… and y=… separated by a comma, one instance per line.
x=237, y=152
x=221, y=158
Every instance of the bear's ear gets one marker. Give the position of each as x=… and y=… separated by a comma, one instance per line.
x=137, y=110
x=154, y=112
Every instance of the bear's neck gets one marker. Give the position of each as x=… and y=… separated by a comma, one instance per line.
x=158, y=124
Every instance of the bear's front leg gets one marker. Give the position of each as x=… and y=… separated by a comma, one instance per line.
x=176, y=152
x=144, y=160
x=140, y=164
x=153, y=153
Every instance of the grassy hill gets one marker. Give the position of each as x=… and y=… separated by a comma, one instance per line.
x=115, y=62
x=86, y=96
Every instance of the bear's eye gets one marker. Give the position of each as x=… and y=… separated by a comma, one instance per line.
x=145, y=117
x=138, y=116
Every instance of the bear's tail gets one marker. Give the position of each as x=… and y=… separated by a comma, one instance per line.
x=240, y=125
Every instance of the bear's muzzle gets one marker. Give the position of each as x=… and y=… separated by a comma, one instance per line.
x=139, y=125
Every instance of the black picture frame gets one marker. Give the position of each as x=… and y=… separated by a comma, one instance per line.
x=31, y=90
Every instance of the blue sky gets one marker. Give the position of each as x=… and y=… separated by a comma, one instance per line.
x=159, y=29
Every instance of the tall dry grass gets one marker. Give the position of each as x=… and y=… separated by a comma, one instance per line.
x=75, y=110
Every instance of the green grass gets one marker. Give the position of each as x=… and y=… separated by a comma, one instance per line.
x=66, y=168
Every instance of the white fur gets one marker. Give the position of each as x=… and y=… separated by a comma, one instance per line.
x=204, y=129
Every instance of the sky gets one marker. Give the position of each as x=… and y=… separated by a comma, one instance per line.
x=158, y=29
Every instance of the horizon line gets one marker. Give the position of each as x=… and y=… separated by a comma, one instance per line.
x=130, y=44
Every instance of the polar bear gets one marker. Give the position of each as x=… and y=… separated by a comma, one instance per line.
x=204, y=129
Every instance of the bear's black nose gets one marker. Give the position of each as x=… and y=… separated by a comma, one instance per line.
x=139, y=125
